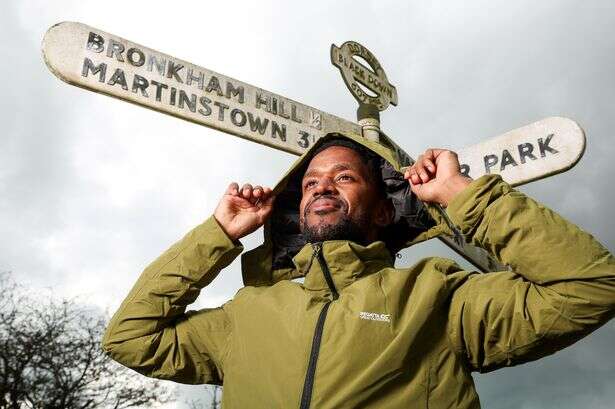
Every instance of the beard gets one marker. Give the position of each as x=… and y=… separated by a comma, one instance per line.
x=346, y=228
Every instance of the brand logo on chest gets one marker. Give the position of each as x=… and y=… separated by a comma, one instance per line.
x=374, y=316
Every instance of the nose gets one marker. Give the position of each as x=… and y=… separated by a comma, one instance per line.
x=325, y=186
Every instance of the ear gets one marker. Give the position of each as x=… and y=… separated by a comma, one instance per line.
x=384, y=213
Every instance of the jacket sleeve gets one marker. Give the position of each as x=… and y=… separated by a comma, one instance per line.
x=561, y=287
x=151, y=332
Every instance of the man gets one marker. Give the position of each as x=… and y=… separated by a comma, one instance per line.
x=358, y=332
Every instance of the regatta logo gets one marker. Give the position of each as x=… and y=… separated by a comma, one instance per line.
x=373, y=316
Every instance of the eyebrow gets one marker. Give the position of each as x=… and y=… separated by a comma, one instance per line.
x=337, y=168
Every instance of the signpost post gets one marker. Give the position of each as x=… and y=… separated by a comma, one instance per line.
x=101, y=62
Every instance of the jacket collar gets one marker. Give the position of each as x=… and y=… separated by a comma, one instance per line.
x=345, y=260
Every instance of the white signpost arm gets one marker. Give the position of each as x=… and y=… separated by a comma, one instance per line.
x=535, y=151
x=101, y=62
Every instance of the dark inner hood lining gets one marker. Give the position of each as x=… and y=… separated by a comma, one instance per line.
x=411, y=217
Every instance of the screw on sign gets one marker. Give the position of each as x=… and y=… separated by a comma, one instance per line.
x=104, y=63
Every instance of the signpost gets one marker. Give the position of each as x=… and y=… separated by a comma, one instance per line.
x=532, y=152
x=89, y=58
x=101, y=62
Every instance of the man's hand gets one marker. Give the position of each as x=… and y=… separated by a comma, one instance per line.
x=436, y=176
x=240, y=212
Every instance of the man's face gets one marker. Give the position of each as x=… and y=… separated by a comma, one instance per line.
x=340, y=200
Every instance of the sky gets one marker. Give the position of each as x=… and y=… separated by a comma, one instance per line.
x=92, y=189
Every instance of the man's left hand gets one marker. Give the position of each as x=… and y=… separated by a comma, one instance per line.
x=436, y=176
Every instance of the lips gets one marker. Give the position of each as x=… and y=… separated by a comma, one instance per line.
x=324, y=205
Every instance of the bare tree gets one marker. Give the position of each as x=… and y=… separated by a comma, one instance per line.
x=50, y=357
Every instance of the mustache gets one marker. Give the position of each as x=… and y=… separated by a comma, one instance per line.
x=341, y=202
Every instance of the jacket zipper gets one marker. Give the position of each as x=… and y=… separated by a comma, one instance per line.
x=308, y=385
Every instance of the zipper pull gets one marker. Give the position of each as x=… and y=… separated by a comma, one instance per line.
x=316, y=247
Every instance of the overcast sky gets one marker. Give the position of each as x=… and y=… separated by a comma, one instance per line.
x=92, y=189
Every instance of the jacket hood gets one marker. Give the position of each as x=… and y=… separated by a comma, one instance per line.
x=414, y=221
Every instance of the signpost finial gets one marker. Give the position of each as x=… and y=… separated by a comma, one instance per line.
x=368, y=84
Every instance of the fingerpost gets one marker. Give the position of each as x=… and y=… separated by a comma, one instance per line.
x=92, y=59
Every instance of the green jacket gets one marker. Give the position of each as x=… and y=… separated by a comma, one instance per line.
x=358, y=332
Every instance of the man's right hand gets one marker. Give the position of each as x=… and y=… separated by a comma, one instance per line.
x=242, y=211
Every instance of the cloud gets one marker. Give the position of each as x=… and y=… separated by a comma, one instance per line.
x=92, y=189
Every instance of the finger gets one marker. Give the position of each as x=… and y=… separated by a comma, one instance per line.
x=257, y=192
x=246, y=191
x=267, y=206
x=407, y=174
x=429, y=160
x=265, y=197
x=257, y=196
x=232, y=189
x=420, y=169
x=414, y=177
x=418, y=165
x=266, y=194
x=421, y=192
x=429, y=165
x=436, y=153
